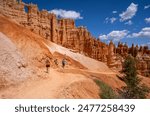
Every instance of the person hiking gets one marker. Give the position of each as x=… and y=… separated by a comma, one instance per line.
x=47, y=65
x=56, y=62
x=64, y=63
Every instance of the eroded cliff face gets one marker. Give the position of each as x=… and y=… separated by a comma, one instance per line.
x=60, y=31
x=65, y=33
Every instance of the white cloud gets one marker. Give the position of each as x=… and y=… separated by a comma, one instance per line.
x=113, y=19
x=114, y=35
x=103, y=37
x=114, y=12
x=147, y=20
x=144, y=33
x=66, y=14
x=129, y=13
x=129, y=23
x=146, y=29
x=117, y=35
x=147, y=6
x=106, y=20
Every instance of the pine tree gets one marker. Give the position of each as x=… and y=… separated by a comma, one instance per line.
x=133, y=90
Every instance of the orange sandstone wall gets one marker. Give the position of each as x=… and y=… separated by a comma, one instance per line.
x=60, y=31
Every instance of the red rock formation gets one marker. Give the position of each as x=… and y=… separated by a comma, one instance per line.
x=141, y=55
x=60, y=31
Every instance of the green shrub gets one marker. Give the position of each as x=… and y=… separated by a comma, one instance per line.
x=106, y=91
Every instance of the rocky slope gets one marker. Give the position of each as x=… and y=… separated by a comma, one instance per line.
x=13, y=66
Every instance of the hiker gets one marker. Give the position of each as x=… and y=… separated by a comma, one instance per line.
x=47, y=65
x=64, y=63
x=56, y=62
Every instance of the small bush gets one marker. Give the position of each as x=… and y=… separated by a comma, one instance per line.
x=106, y=91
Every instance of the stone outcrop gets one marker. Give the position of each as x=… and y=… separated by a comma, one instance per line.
x=79, y=39
x=141, y=54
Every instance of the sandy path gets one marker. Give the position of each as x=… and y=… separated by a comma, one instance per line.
x=53, y=84
x=74, y=70
x=45, y=87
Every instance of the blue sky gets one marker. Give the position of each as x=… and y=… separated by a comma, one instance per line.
x=117, y=20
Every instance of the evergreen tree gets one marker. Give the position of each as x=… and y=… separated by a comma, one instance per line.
x=133, y=90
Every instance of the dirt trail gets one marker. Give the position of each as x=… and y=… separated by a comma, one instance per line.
x=51, y=86
x=46, y=87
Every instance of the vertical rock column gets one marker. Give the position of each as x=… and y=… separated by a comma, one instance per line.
x=33, y=22
x=110, y=58
x=64, y=39
x=54, y=27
